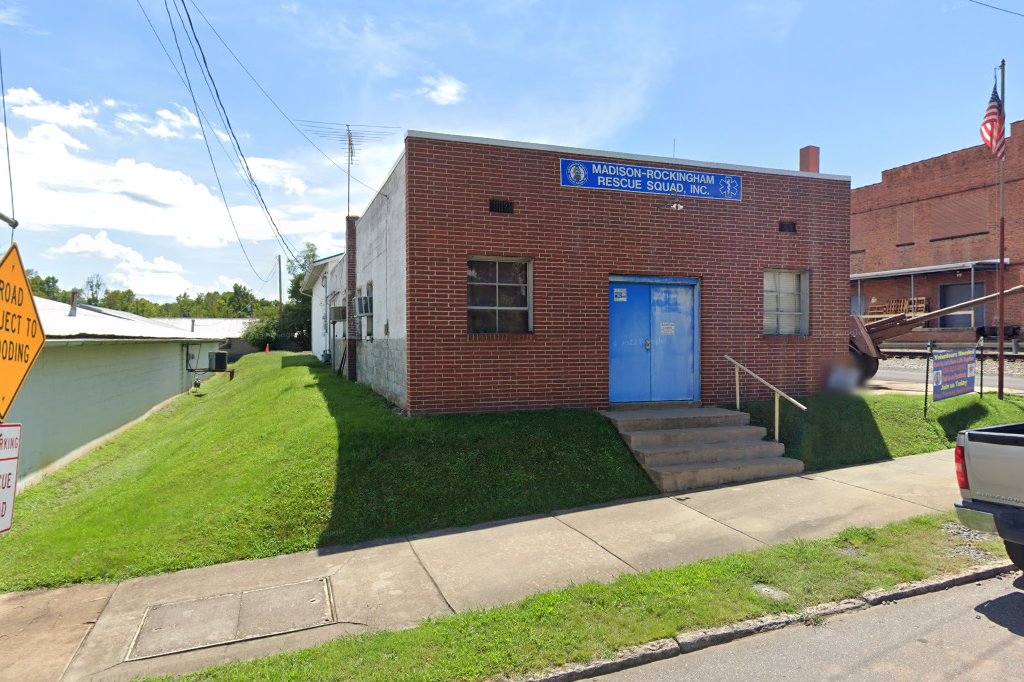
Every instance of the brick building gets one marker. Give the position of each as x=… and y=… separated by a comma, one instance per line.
x=496, y=275
x=929, y=229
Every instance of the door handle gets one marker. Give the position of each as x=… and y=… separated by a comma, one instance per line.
x=647, y=344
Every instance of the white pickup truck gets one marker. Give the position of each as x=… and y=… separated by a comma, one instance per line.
x=990, y=473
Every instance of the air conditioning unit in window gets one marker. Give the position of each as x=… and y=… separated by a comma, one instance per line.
x=337, y=313
x=364, y=306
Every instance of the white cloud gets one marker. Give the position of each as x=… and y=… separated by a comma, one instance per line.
x=11, y=16
x=29, y=104
x=291, y=7
x=774, y=20
x=225, y=283
x=66, y=185
x=100, y=246
x=166, y=125
x=442, y=89
x=277, y=174
x=151, y=283
x=160, y=277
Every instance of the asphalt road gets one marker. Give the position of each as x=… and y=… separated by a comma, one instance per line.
x=973, y=632
x=907, y=376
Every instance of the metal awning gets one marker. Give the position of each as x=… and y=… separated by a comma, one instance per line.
x=978, y=265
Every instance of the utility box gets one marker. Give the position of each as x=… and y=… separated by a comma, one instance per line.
x=218, y=361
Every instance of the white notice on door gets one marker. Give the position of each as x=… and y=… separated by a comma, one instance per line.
x=10, y=449
x=619, y=295
x=668, y=329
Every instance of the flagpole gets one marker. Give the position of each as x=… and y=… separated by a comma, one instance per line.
x=1002, y=234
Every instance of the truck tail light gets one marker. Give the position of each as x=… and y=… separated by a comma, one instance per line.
x=961, y=469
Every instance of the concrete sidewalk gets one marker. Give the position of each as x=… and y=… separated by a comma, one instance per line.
x=197, y=618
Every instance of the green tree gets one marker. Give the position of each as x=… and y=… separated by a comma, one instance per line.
x=46, y=287
x=95, y=288
x=241, y=302
x=296, y=325
x=118, y=299
x=182, y=306
x=261, y=331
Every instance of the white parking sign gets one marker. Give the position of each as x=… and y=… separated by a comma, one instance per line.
x=10, y=449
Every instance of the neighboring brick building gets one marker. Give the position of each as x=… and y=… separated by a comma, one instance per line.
x=928, y=227
x=496, y=275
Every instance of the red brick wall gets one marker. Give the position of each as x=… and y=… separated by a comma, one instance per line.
x=941, y=210
x=578, y=238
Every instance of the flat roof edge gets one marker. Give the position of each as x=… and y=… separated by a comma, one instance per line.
x=468, y=139
x=928, y=269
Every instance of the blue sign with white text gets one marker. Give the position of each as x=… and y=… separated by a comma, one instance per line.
x=952, y=373
x=623, y=177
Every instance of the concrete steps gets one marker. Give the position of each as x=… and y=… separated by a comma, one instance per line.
x=686, y=447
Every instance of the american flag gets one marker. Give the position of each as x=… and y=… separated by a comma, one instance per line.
x=993, y=126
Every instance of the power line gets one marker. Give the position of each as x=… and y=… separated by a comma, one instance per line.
x=7, y=145
x=202, y=128
x=199, y=110
x=276, y=106
x=219, y=103
x=1001, y=9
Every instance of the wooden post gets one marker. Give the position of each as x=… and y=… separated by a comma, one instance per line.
x=776, y=416
x=737, y=388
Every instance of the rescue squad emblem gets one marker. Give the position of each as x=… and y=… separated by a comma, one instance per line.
x=729, y=188
x=576, y=173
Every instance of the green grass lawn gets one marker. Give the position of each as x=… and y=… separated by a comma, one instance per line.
x=289, y=457
x=839, y=429
x=591, y=621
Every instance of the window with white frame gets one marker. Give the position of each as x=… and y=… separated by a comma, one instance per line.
x=500, y=299
x=785, y=302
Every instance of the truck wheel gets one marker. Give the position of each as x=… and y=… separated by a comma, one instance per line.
x=1016, y=553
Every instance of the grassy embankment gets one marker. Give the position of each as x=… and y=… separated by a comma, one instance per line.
x=288, y=457
x=841, y=429
x=592, y=621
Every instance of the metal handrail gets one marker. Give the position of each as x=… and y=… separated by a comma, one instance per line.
x=777, y=391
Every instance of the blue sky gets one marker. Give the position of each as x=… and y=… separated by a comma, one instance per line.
x=111, y=176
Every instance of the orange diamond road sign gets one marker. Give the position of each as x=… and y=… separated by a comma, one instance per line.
x=21, y=332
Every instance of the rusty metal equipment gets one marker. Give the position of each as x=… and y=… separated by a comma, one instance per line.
x=865, y=337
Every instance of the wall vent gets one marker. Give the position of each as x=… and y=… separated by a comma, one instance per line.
x=502, y=206
x=787, y=227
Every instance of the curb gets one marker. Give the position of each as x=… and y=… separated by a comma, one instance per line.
x=687, y=642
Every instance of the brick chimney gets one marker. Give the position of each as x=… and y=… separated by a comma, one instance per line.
x=810, y=159
x=352, y=330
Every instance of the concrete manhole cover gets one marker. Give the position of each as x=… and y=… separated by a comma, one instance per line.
x=222, y=619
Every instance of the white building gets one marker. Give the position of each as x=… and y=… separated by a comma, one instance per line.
x=325, y=280
x=99, y=372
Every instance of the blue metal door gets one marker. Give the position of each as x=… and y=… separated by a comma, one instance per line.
x=629, y=335
x=672, y=347
x=653, y=342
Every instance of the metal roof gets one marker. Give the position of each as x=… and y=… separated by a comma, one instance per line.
x=990, y=264
x=101, y=323
x=219, y=327
x=576, y=151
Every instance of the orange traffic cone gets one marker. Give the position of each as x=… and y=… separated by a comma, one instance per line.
x=268, y=348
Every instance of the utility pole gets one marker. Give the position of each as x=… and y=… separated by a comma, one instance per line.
x=1002, y=235
x=280, y=298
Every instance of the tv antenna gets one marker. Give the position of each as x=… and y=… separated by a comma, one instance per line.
x=354, y=137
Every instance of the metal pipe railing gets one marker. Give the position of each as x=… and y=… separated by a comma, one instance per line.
x=777, y=392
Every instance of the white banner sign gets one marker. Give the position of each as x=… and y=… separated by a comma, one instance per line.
x=10, y=449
